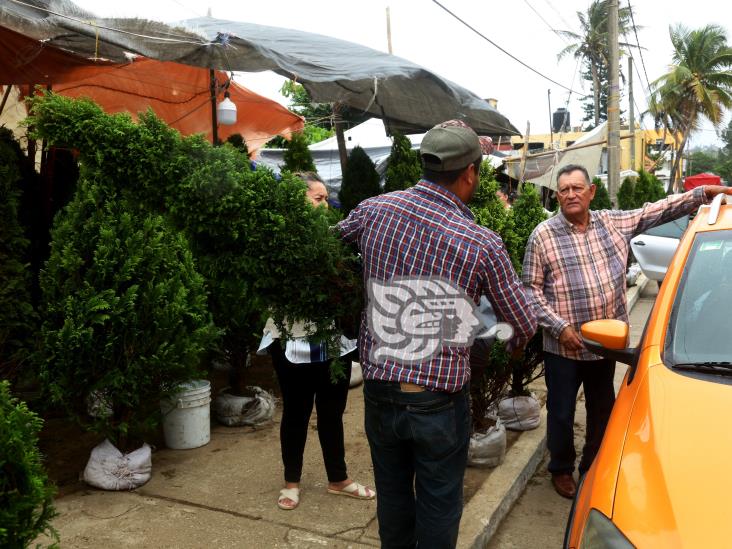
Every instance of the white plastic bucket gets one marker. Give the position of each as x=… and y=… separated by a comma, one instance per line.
x=187, y=416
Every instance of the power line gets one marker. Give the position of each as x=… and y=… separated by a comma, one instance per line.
x=504, y=51
x=545, y=21
x=640, y=51
x=569, y=27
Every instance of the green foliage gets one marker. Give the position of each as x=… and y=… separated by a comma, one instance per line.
x=297, y=156
x=124, y=314
x=262, y=249
x=648, y=188
x=527, y=212
x=237, y=141
x=702, y=162
x=626, y=194
x=404, y=167
x=360, y=180
x=26, y=495
x=17, y=317
x=602, y=197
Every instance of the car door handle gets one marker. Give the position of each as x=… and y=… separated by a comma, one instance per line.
x=639, y=243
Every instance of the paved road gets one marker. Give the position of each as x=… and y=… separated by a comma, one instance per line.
x=539, y=517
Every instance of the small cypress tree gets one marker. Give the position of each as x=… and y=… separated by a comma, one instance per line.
x=360, y=181
x=626, y=194
x=26, y=495
x=297, y=156
x=124, y=314
x=237, y=141
x=404, y=167
x=602, y=197
x=17, y=317
x=648, y=188
x=526, y=213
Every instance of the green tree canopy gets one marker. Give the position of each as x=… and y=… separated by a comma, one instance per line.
x=404, y=167
x=602, y=197
x=626, y=194
x=297, y=156
x=360, y=180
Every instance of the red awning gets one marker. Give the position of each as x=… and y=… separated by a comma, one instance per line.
x=701, y=179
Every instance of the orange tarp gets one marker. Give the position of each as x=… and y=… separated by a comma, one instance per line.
x=179, y=94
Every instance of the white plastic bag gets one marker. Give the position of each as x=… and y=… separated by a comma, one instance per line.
x=521, y=413
x=488, y=449
x=235, y=410
x=109, y=469
x=356, y=374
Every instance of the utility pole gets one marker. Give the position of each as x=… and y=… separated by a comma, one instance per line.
x=388, y=29
x=551, y=122
x=631, y=113
x=524, y=152
x=613, y=105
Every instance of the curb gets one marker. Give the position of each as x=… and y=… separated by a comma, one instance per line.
x=493, y=501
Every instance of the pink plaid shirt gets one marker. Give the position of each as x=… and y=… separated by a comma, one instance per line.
x=577, y=277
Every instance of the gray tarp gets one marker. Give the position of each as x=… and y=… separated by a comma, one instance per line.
x=409, y=98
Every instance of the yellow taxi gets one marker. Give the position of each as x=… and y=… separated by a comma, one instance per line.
x=663, y=475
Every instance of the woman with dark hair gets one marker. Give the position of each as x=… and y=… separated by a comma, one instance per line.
x=303, y=372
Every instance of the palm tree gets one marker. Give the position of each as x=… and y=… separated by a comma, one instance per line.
x=699, y=83
x=591, y=44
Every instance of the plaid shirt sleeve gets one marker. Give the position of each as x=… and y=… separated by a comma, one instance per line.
x=634, y=222
x=508, y=297
x=350, y=228
x=533, y=279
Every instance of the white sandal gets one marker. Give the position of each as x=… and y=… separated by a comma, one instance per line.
x=293, y=494
x=354, y=490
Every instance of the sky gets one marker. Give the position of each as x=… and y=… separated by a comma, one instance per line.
x=426, y=34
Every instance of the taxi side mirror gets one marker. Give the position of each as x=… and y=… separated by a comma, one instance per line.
x=610, y=339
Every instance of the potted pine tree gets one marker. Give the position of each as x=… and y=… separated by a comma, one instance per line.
x=125, y=319
x=403, y=168
x=360, y=180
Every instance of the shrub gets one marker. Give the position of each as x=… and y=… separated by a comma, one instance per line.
x=237, y=141
x=626, y=194
x=262, y=249
x=404, y=167
x=648, y=188
x=602, y=197
x=26, y=495
x=17, y=316
x=297, y=156
x=124, y=314
x=360, y=180
x=527, y=212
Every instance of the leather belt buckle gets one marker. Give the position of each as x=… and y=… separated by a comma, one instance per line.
x=411, y=388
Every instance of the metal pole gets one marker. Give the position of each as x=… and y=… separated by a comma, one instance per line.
x=631, y=113
x=551, y=122
x=388, y=29
x=613, y=105
x=214, y=121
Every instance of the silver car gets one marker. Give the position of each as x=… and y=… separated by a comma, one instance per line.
x=654, y=248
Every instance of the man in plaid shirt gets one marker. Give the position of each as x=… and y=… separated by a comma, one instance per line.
x=575, y=267
x=416, y=409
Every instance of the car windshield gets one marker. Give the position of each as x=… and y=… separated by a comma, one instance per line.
x=699, y=331
x=672, y=229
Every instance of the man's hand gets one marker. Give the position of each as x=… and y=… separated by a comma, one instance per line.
x=713, y=190
x=570, y=339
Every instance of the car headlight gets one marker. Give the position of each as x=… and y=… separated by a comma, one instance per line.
x=601, y=533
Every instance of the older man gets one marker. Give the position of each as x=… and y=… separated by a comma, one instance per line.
x=575, y=267
x=422, y=250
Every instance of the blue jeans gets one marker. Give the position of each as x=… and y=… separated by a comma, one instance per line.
x=419, y=448
x=563, y=378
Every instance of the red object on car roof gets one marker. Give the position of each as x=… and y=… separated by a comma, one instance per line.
x=701, y=179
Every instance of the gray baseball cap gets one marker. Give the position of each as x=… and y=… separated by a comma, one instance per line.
x=447, y=148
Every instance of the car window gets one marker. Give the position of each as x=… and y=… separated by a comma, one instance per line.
x=672, y=229
x=699, y=330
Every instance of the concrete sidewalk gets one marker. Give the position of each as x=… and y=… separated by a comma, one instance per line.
x=224, y=494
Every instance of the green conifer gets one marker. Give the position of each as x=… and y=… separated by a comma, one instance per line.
x=360, y=181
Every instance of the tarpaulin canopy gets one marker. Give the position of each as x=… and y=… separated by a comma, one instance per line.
x=179, y=94
x=408, y=97
x=701, y=179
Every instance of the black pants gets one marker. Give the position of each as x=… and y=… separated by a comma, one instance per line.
x=563, y=379
x=301, y=385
